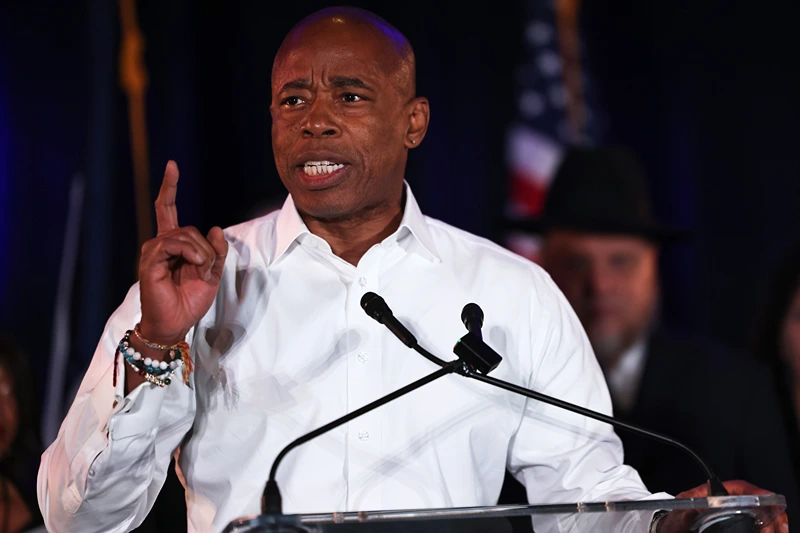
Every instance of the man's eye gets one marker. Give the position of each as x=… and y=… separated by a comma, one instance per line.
x=351, y=98
x=291, y=101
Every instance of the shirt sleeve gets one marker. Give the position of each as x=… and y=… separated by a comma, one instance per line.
x=110, y=458
x=560, y=456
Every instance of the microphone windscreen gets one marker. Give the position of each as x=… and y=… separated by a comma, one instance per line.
x=374, y=306
x=470, y=311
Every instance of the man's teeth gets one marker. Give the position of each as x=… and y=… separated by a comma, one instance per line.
x=317, y=168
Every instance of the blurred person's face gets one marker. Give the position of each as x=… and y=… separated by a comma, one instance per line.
x=611, y=281
x=9, y=413
x=790, y=336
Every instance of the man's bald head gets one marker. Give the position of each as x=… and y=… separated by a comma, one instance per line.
x=352, y=25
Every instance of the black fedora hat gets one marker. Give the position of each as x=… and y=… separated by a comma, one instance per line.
x=600, y=190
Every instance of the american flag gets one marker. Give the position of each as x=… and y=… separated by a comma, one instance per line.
x=552, y=113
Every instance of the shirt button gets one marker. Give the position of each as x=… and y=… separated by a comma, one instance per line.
x=362, y=356
x=363, y=436
x=362, y=281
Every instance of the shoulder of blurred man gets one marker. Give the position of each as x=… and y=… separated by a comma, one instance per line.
x=718, y=401
x=698, y=384
x=703, y=362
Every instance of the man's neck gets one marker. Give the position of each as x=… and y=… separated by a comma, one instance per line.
x=350, y=238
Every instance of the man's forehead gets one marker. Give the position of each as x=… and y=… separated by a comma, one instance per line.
x=319, y=54
x=329, y=66
x=355, y=25
x=323, y=43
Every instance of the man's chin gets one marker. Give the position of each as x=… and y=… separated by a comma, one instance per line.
x=328, y=215
x=322, y=205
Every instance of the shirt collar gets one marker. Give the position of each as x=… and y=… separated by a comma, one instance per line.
x=415, y=222
x=624, y=379
x=289, y=227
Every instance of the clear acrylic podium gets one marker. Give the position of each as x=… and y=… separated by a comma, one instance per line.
x=746, y=513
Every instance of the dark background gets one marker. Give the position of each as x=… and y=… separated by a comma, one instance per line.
x=705, y=92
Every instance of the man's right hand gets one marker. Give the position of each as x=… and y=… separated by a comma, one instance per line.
x=179, y=270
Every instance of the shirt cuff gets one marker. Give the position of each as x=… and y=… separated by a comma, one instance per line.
x=134, y=414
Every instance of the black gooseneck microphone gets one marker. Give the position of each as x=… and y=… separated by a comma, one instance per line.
x=376, y=307
x=472, y=317
x=480, y=357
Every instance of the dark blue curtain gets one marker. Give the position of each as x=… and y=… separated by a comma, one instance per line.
x=43, y=102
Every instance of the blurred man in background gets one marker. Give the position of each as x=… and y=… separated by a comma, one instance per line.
x=601, y=245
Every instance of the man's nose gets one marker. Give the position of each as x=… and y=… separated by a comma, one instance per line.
x=600, y=279
x=320, y=121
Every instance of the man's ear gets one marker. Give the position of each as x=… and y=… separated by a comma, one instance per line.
x=419, y=115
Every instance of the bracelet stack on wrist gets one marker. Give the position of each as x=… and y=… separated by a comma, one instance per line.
x=157, y=372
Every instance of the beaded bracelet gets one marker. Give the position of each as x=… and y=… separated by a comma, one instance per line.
x=155, y=371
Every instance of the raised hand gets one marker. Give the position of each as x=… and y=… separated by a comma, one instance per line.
x=179, y=270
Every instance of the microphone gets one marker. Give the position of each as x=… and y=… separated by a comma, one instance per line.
x=471, y=347
x=376, y=307
x=477, y=350
x=472, y=317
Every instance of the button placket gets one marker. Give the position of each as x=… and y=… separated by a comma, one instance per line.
x=364, y=383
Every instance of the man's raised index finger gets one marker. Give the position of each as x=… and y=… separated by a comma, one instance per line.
x=166, y=211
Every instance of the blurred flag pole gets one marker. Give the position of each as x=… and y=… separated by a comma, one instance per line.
x=570, y=47
x=53, y=412
x=134, y=79
x=552, y=111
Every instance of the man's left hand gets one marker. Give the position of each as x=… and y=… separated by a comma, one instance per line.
x=680, y=521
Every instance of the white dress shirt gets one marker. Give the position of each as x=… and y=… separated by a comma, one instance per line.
x=286, y=348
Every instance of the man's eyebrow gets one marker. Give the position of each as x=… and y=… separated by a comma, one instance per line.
x=344, y=81
x=300, y=83
x=336, y=81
